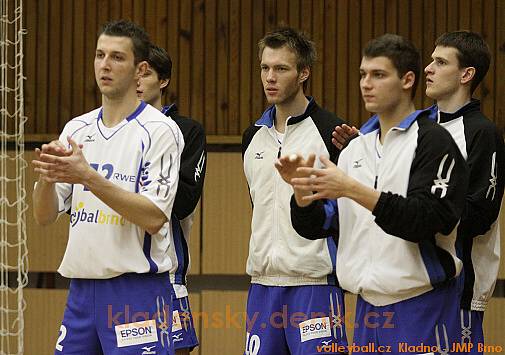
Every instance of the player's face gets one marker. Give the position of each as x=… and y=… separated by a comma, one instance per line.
x=443, y=73
x=279, y=75
x=381, y=88
x=149, y=86
x=115, y=71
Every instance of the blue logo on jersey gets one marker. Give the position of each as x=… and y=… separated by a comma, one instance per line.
x=108, y=169
x=81, y=215
x=144, y=175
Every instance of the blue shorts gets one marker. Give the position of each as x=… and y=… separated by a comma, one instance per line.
x=471, y=331
x=128, y=314
x=423, y=324
x=183, y=328
x=295, y=320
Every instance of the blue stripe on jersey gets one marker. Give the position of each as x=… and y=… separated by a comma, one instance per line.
x=433, y=113
x=331, y=212
x=77, y=130
x=431, y=262
x=137, y=112
x=407, y=121
x=373, y=123
x=153, y=268
x=166, y=109
x=134, y=115
x=181, y=251
x=139, y=172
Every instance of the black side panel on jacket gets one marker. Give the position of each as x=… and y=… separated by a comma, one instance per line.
x=325, y=122
x=247, y=137
x=193, y=166
x=437, y=186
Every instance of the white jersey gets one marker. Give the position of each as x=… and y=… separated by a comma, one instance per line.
x=142, y=155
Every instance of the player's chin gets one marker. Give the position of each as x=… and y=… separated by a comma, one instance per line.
x=273, y=99
x=431, y=92
x=371, y=107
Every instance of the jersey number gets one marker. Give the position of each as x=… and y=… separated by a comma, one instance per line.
x=63, y=334
x=252, y=344
x=108, y=168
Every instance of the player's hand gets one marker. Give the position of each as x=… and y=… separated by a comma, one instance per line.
x=327, y=183
x=68, y=165
x=287, y=166
x=55, y=147
x=342, y=135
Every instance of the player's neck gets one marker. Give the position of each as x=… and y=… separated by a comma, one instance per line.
x=455, y=101
x=156, y=103
x=392, y=118
x=117, y=109
x=294, y=107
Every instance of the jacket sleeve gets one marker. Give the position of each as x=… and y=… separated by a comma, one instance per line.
x=316, y=221
x=436, y=191
x=486, y=161
x=192, y=172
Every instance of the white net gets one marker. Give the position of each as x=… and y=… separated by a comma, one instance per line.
x=13, y=206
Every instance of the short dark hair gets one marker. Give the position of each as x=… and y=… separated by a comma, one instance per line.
x=473, y=51
x=125, y=28
x=400, y=51
x=297, y=41
x=161, y=62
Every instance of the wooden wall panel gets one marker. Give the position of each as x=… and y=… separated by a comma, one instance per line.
x=350, y=314
x=494, y=325
x=43, y=315
x=213, y=44
x=195, y=241
x=210, y=78
x=501, y=272
x=499, y=58
x=46, y=245
x=197, y=62
x=41, y=78
x=223, y=322
x=195, y=302
x=226, y=215
x=247, y=61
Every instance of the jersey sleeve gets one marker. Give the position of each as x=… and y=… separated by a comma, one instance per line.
x=160, y=167
x=316, y=221
x=436, y=191
x=486, y=161
x=192, y=172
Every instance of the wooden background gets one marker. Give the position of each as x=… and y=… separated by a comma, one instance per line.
x=213, y=44
x=216, y=80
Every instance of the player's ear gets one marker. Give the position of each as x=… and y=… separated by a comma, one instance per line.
x=164, y=83
x=141, y=69
x=408, y=80
x=467, y=75
x=304, y=74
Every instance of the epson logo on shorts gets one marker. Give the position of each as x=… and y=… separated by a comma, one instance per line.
x=136, y=333
x=176, y=321
x=315, y=328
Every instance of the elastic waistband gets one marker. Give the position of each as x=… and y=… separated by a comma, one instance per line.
x=477, y=305
x=289, y=280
